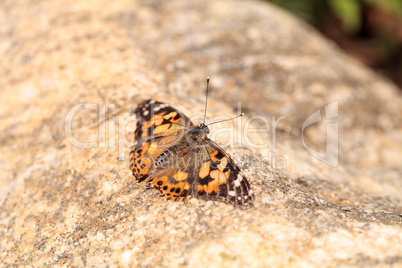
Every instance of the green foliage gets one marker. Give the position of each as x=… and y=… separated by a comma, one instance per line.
x=348, y=11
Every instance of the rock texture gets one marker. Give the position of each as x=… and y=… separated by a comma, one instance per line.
x=61, y=204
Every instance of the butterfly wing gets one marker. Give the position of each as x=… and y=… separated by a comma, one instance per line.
x=220, y=179
x=146, y=151
x=175, y=182
x=159, y=119
x=160, y=127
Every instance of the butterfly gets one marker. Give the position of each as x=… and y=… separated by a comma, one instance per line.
x=176, y=157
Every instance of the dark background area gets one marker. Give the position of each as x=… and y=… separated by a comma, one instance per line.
x=368, y=30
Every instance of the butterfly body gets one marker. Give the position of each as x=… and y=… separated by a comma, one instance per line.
x=176, y=157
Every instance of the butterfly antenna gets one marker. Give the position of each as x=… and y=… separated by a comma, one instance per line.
x=240, y=115
x=206, y=100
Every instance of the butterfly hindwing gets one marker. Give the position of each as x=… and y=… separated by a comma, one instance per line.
x=175, y=181
x=146, y=151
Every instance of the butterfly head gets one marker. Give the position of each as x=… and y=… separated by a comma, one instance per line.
x=198, y=133
x=204, y=128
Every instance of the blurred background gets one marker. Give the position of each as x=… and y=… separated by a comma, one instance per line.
x=368, y=30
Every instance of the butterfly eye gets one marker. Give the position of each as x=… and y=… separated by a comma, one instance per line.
x=207, y=130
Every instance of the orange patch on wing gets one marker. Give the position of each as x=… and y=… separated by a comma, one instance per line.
x=152, y=148
x=202, y=188
x=222, y=164
x=162, y=179
x=157, y=120
x=145, y=169
x=213, y=155
x=141, y=164
x=170, y=115
x=170, y=190
x=179, y=176
x=182, y=186
x=145, y=125
x=144, y=132
x=144, y=147
x=204, y=170
x=219, y=178
x=161, y=128
x=175, y=120
x=144, y=128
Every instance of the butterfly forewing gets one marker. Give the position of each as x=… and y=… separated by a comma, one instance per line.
x=158, y=119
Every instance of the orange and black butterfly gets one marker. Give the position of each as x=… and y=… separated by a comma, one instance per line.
x=176, y=157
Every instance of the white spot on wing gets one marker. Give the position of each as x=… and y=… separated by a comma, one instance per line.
x=232, y=193
x=237, y=183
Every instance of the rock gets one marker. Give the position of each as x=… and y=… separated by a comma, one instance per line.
x=71, y=76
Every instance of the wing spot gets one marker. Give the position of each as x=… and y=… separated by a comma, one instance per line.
x=232, y=193
x=223, y=164
x=160, y=107
x=204, y=170
x=165, y=187
x=180, y=176
x=172, y=189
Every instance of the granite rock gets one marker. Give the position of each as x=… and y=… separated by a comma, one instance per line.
x=73, y=72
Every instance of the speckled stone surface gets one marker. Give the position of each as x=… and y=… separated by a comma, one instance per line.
x=69, y=206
